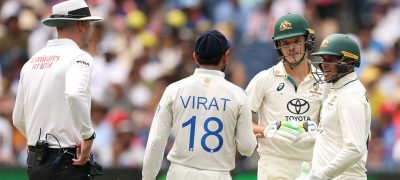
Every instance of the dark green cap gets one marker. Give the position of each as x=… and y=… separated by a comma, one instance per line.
x=290, y=25
x=339, y=45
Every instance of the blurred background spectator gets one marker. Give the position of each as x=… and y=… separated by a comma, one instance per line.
x=144, y=45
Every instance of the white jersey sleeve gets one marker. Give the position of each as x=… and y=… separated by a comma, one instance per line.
x=246, y=141
x=158, y=136
x=77, y=82
x=354, y=145
x=18, y=112
x=255, y=91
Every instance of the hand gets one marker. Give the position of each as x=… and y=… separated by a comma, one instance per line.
x=276, y=130
x=310, y=133
x=80, y=160
x=258, y=130
x=82, y=153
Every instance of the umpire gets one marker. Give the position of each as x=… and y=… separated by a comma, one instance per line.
x=52, y=108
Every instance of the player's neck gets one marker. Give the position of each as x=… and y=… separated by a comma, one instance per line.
x=72, y=35
x=210, y=67
x=299, y=71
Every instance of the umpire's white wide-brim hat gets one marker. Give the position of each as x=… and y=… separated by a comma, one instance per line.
x=70, y=11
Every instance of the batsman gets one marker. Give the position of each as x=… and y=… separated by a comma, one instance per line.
x=286, y=100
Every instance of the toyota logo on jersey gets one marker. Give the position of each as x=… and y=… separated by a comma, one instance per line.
x=298, y=106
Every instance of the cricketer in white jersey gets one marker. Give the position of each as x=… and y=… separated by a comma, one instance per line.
x=53, y=95
x=341, y=146
x=273, y=96
x=210, y=118
x=286, y=93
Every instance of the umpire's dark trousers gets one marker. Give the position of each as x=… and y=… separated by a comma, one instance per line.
x=52, y=169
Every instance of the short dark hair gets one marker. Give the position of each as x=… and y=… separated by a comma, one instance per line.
x=210, y=61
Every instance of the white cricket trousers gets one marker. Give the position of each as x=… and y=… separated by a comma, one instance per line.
x=179, y=172
x=274, y=168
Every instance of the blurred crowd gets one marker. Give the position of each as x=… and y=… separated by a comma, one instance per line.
x=144, y=45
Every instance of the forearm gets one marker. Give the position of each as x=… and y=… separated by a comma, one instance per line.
x=342, y=161
x=157, y=141
x=81, y=114
x=86, y=147
x=258, y=130
x=254, y=118
x=18, y=113
x=153, y=158
x=246, y=140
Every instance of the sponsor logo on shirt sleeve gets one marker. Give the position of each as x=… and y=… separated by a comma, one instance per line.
x=83, y=62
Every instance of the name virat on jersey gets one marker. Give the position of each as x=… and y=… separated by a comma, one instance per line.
x=205, y=103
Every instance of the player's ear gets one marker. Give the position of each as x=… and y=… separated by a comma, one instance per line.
x=224, y=58
x=228, y=53
x=196, y=58
x=80, y=26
